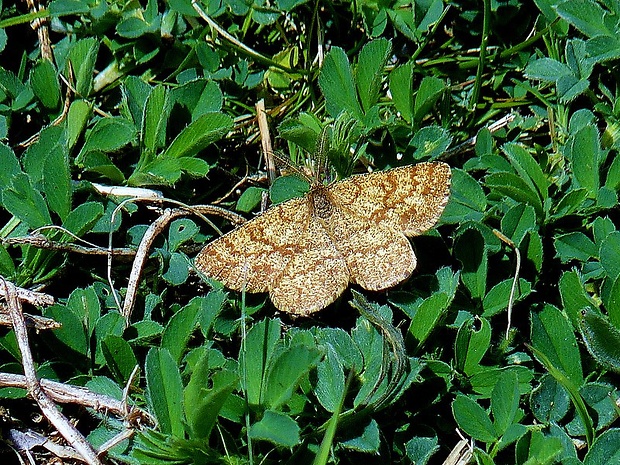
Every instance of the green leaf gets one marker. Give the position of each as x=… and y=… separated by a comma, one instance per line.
x=586, y=16
x=549, y=401
x=178, y=269
x=303, y=131
x=107, y=135
x=99, y=163
x=119, y=357
x=427, y=317
x=471, y=344
x=26, y=203
x=498, y=296
x=110, y=323
x=144, y=331
x=430, y=90
x=430, y=142
x=285, y=372
x=104, y=385
x=72, y=334
x=57, y=183
x=518, y=221
x=367, y=442
x=605, y=448
x=513, y=186
x=205, y=396
x=195, y=167
x=528, y=168
x=419, y=450
x=547, y=69
x=211, y=100
x=470, y=250
x=574, y=296
x=348, y=353
x=51, y=139
x=575, y=246
x=505, y=402
x=156, y=115
x=602, y=339
x=68, y=7
x=164, y=391
x=181, y=327
x=570, y=203
x=330, y=381
x=467, y=199
x=369, y=71
x=552, y=335
x=534, y=448
x=287, y=187
x=585, y=153
x=601, y=399
x=77, y=119
x=44, y=82
x=611, y=300
x=212, y=304
x=260, y=343
x=277, y=428
x=85, y=305
x=9, y=165
x=181, y=231
x=484, y=381
x=336, y=82
x=82, y=218
x=250, y=199
x=401, y=88
x=7, y=267
x=162, y=170
x=201, y=133
x=473, y=420
x=610, y=254
x=82, y=58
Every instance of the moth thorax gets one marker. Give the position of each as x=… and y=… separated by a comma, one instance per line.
x=321, y=205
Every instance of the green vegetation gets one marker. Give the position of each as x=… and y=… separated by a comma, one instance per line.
x=155, y=95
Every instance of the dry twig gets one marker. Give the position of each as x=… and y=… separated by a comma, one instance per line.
x=265, y=140
x=48, y=408
x=67, y=394
x=43, y=242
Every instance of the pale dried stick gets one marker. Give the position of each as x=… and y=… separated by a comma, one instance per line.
x=461, y=454
x=35, y=321
x=41, y=26
x=48, y=408
x=265, y=140
x=42, y=242
x=515, y=280
x=493, y=127
x=38, y=299
x=151, y=233
x=68, y=394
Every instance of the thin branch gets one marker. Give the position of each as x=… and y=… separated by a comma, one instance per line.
x=68, y=394
x=37, y=322
x=48, y=408
x=265, y=139
x=43, y=242
x=38, y=299
x=141, y=255
x=515, y=280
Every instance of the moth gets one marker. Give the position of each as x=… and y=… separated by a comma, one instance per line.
x=305, y=252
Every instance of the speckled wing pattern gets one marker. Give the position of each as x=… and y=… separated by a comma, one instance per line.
x=304, y=252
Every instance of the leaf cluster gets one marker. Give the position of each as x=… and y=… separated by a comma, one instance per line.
x=161, y=96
